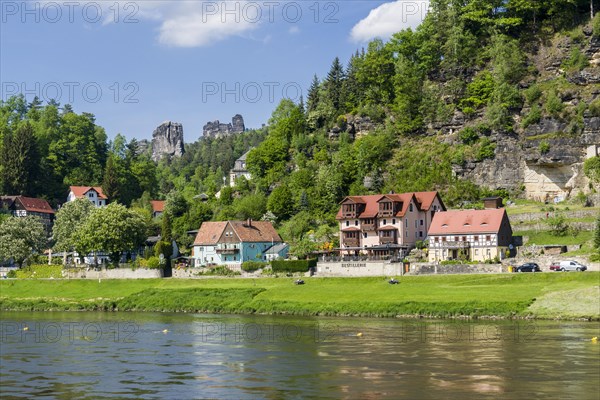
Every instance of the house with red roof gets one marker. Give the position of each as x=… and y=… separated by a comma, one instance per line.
x=92, y=193
x=21, y=206
x=158, y=207
x=474, y=235
x=233, y=242
x=386, y=224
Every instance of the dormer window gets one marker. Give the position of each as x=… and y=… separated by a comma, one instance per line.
x=410, y=207
x=444, y=225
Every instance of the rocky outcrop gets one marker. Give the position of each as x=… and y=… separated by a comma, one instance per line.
x=355, y=125
x=216, y=129
x=167, y=141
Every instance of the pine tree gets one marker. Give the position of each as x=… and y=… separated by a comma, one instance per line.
x=111, y=185
x=313, y=95
x=334, y=84
x=20, y=161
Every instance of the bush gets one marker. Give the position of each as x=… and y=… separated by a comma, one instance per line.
x=293, y=265
x=576, y=62
x=468, y=135
x=152, y=263
x=596, y=25
x=532, y=94
x=251, y=266
x=220, y=270
x=11, y=274
x=554, y=104
x=544, y=147
x=533, y=117
x=595, y=108
x=486, y=150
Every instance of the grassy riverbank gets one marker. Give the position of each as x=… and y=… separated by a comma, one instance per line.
x=546, y=295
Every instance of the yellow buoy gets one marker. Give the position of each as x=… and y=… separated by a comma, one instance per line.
x=165, y=331
x=359, y=334
x=594, y=339
x=26, y=328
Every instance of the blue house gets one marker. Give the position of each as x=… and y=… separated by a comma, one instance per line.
x=233, y=242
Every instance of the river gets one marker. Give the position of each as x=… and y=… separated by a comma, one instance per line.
x=184, y=356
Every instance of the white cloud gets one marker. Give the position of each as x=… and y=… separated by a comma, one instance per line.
x=389, y=18
x=293, y=30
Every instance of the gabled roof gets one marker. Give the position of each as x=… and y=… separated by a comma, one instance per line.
x=468, y=221
x=276, y=249
x=80, y=191
x=28, y=203
x=158, y=205
x=423, y=200
x=256, y=231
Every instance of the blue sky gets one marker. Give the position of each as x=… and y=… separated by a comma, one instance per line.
x=137, y=64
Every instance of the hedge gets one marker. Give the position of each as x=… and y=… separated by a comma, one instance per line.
x=293, y=265
x=251, y=266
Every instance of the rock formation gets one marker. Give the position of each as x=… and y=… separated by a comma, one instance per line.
x=216, y=129
x=167, y=140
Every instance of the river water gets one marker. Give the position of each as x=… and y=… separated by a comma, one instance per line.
x=184, y=356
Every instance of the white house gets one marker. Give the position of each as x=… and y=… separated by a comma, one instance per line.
x=239, y=169
x=92, y=193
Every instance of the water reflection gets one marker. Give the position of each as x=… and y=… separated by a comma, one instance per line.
x=202, y=356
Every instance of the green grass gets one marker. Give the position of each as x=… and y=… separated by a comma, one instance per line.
x=522, y=206
x=40, y=272
x=547, y=238
x=502, y=295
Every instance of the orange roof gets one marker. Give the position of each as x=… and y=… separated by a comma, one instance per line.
x=423, y=200
x=257, y=231
x=158, y=205
x=468, y=221
x=80, y=191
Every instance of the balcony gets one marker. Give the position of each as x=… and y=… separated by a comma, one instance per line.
x=231, y=249
x=388, y=240
x=367, y=227
x=349, y=214
x=385, y=213
x=455, y=245
x=351, y=242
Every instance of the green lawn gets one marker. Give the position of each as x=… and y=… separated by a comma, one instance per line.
x=442, y=295
x=546, y=238
x=522, y=206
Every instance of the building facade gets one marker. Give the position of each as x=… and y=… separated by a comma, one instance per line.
x=92, y=193
x=158, y=207
x=21, y=206
x=239, y=169
x=473, y=235
x=233, y=242
x=386, y=225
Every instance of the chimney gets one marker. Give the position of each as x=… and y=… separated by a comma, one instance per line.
x=249, y=222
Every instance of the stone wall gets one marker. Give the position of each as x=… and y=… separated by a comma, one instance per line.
x=117, y=273
x=359, y=268
x=427, y=269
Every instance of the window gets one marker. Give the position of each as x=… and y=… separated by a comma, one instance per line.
x=365, y=235
x=384, y=221
x=456, y=238
x=90, y=194
x=476, y=238
x=347, y=223
x=443, y=238
x=437, y=239
x=394, y=221
x=407, y=223
x=421, y=234
x=421, y=222
x=464, y=238
x=476, y=252
x=356, y=223
x=410, y=207
x=488, y=238
x=406, y=233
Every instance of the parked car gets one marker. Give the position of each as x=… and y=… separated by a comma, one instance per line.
x=567, y=266
x=528, y=267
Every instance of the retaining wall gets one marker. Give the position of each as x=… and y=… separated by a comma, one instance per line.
x=117, y=273
x=359, y=268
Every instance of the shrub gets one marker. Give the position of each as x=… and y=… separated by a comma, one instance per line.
x=554, y=105
x=596, y=25
x=595, y=108
x=152, y=263
x=558, y=225
x=533, y=117
x=251, y=266
x=486, y=150
x=11, y=274
x=544, y=147
x=591, y=168
x=576, y=61
x=532, y=94
x=293, y=265
x=468, y=135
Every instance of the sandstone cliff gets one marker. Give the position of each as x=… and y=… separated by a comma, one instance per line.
x=216, y=129
x=167, y=141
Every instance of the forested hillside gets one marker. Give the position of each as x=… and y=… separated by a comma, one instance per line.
x=444, y=107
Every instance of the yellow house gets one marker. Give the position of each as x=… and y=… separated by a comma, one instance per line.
x=474, y=235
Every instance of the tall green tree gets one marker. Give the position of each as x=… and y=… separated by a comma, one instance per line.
x=20, y=238
x=20, y=161
x=69, y=219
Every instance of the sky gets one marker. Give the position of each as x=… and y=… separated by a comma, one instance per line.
x=136, y=64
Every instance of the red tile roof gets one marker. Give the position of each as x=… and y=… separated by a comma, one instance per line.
x=28, y=203
x=80, y=191
x=351, y=229
x=256, y=231
x=158, y=205
x=423, y=200
x=468, y=221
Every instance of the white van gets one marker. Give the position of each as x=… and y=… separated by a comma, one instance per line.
x=571, y=266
